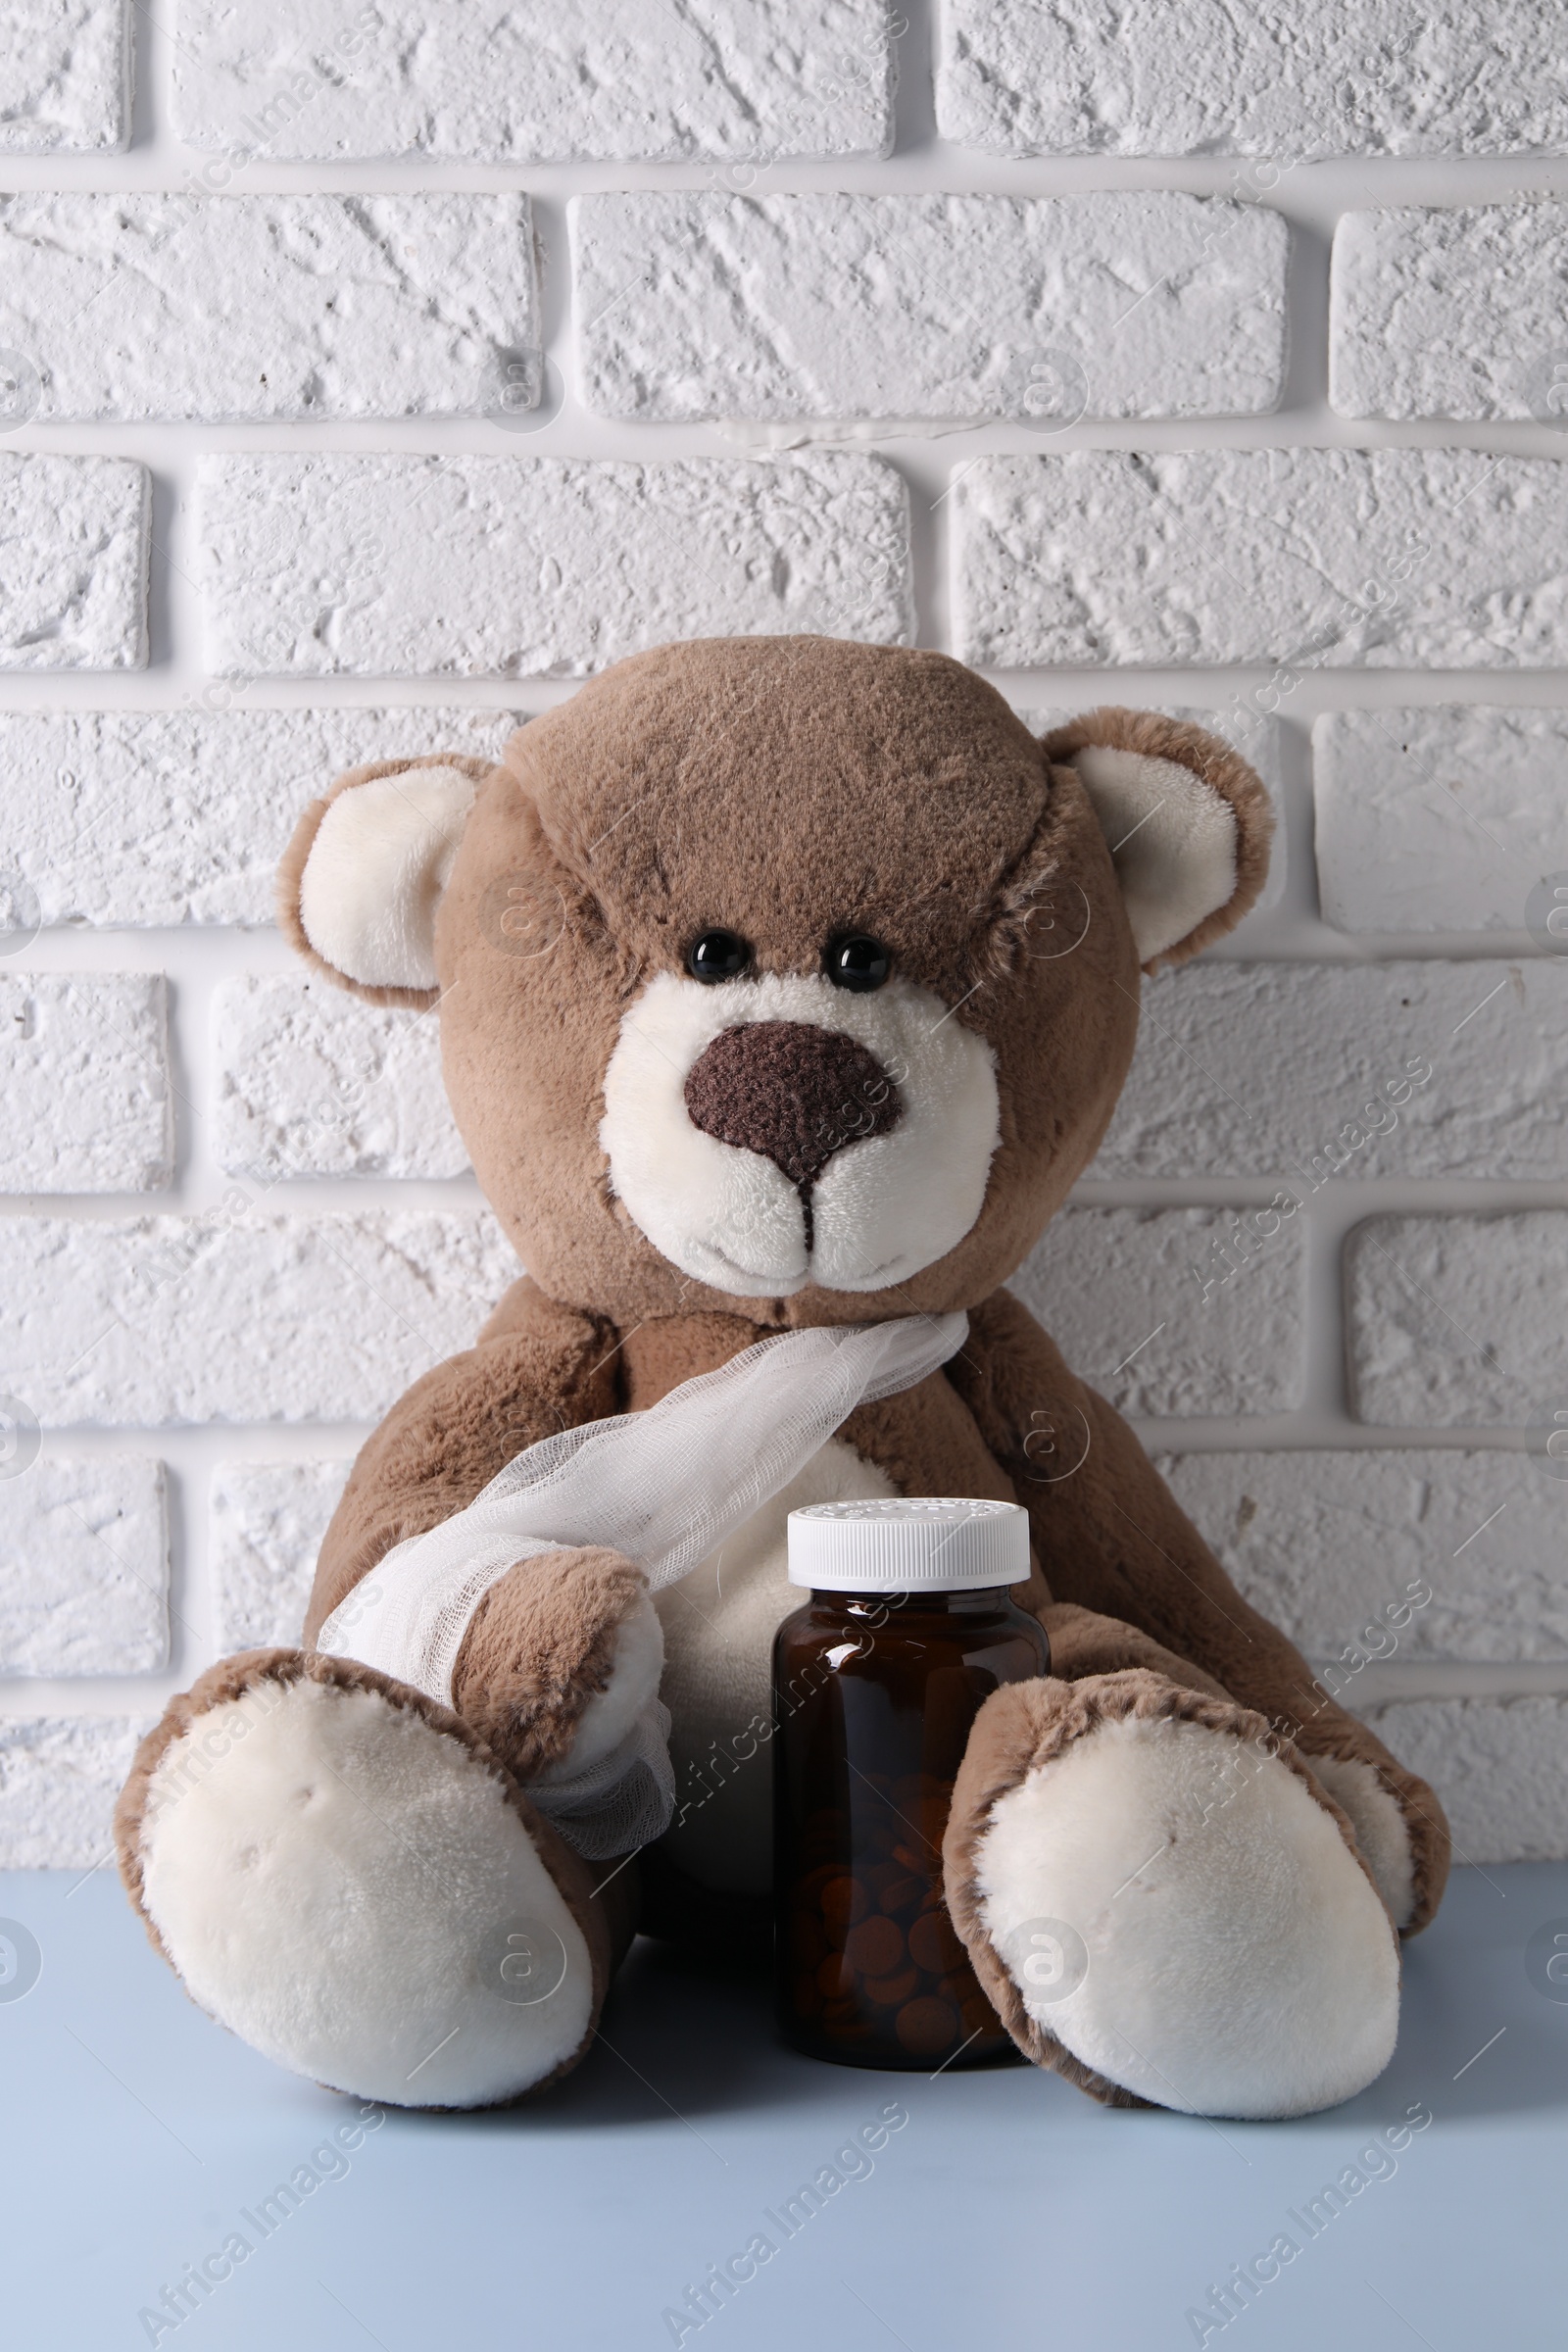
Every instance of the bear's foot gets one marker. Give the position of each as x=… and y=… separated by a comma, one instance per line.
x=344, y=1874
x=1164, y=1905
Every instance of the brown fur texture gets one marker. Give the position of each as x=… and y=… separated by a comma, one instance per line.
x=1111, y=1537
x=541, y=1642
x=1160, y=738
x=292, y=869
x=938, y=824
x=888, y=792
x=536, y=1368
x=606, y=1931
x=1026, y=1725
x=1082, y=1645
x=793, y=791
x=657, y=1355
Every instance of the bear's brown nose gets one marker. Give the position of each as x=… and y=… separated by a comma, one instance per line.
x=791, y=1091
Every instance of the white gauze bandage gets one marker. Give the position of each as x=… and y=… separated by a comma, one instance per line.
x=665, y=1487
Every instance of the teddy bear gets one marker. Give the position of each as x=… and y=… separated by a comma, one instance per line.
x=785, y=987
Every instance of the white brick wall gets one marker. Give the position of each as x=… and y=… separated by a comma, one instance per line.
x=1094, y=76
x=925, y=305
x=238, y=1314
x=84, y=1064
x=65, y=76
x=1500, y=1768
x=1439, y=820
x=535, y=567
x=122, y=818
x=1396, y=1069
x=738, y=80
x=84, y=1569
x=1399, y=1554
x=266, y=305
x=59, y=1778
x=1390, y=558
x=73, y=588
x=267, y=1521
x=1449, y=312
x=274, y=500
x=312, y=1083
x=1458, y=1321
x=1122, y=1292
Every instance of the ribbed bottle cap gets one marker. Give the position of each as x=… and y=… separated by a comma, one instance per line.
x=910, y=1543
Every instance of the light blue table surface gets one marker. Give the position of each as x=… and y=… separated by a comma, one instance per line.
x=1007, y=2210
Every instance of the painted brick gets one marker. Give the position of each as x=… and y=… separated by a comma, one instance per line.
x=1457, y=1320
x=65, y=76
x=1117, y=1291
x=266, y=1520
x=312, y=1083
x=130, y=817
x=1453, y=311
x=1327, y=1545
x=239, y=1315
x=1351, y=78
x=697, y=303
x=1286, y=1070
x=510, y=80
x=85, y=1067
x=73, y=586
x=539, y=568
x=1308, y=558
x=1437, y=819
x=172, y=306
x=59, y=1778
x=1499, y=1767
x=83, y=1568
x=1249, y=731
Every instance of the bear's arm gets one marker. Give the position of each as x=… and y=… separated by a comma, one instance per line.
x=535, y=1368
x=1106, y=1528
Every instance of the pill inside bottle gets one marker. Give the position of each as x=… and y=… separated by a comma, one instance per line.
x=876, y=1682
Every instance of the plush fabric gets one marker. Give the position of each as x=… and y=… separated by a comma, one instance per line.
x=654, y=1144
x=782, y=1131
x=542, y=1646
x=1152, y=737
x=788, y=789
x=1235, y=1957
x=1112, y=1539
x=379, y=924
x=795, y=1095
x=185, y=1788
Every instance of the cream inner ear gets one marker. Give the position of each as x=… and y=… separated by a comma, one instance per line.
x=1172, y=841
x=375, y=872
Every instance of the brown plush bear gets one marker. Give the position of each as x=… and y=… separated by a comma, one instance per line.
x=786, y=987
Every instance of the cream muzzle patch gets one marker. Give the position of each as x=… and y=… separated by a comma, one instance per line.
x=868, y=1122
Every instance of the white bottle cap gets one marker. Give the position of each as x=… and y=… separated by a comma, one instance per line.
x=911, y=1543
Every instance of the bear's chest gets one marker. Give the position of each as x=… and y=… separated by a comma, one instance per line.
x=719, y=1623
x=720, y=1619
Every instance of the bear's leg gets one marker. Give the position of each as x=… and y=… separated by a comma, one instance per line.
x=1161, y=1901
x=345, y=1875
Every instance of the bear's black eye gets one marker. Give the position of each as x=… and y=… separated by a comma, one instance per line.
x=856, y=962
x=718, y=956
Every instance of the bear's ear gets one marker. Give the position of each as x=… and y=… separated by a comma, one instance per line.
x=359, y=881
x=1186, y=822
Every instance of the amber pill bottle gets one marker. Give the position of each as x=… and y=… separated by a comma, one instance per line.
x=876, y=1682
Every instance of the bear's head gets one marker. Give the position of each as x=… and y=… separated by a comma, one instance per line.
x=781, y=975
